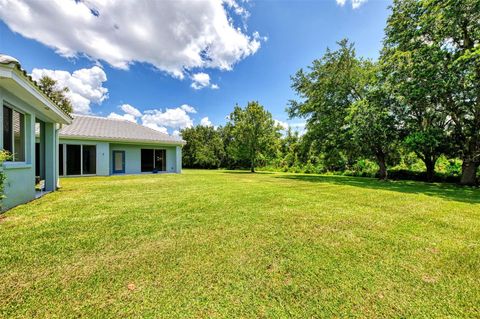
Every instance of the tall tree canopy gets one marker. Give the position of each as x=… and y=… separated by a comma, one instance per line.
x=326, y=93
x=373, y=126
x=204, y=147
x=432, y=52
x=49, y=85
x=255, y=134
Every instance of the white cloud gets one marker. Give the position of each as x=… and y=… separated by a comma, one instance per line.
x=355, y=3
x=174, y=36
x=205, y=122
x=125, y=117
x=202, y=80
x=283, y=125
x=86, y=85
x=156, y=127
x=175, y=118
x=187, y=108
x=131, y=110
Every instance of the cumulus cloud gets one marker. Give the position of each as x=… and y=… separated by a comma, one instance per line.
x=175, y=118
x=355, y=3
x=125, y=117
x=131, y=110
x=188, y=108
x=172, y=118
x=202, y=80
x=205, y=122
x=174, y=36
x=157, y=127
x=86, y=86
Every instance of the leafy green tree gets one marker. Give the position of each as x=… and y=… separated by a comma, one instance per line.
x=255, y=135
x=432, y=49
x=290, y=148
x=204, y=147
x=332, y=84
x=49, y=86
x=414, y=72
x=373, y=127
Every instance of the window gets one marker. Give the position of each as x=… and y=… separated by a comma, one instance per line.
x=14, y=134
x=89, y=159
x=153, y=160
x=74, y=159
x=60, y=159
x=80, y=159
x=147, y=160
x=160, y=164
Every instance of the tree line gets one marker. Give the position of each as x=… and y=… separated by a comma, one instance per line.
x=420, y=100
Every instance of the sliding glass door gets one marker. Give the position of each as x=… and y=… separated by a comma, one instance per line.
x=74, y=159
x=153, y=160
x=89, y=153
x=77, y=159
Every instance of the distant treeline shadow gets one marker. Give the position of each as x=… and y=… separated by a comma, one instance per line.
x=446, y=191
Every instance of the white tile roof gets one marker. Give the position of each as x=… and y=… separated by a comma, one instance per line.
x=101, y=128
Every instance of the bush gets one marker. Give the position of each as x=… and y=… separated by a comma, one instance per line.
x=4, y=156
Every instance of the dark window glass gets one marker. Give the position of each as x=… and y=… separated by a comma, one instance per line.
x=7, y=129
x=74, y=166
x=37, y=159
x=89, y=159
x=18, y=137
x=60, y=159
x=146, y=160
x=160, y=160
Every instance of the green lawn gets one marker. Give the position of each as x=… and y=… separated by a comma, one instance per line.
x=234, y=244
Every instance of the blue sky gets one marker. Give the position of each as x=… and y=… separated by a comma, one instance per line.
x=290, y=35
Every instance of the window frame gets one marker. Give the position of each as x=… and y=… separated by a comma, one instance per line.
x=22, y=130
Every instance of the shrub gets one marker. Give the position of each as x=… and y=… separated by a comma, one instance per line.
x=4, y=156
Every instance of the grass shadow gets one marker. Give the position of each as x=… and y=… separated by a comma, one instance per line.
x=446, y=191
x=246, y=172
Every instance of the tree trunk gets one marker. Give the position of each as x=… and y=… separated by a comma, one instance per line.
x=469, y=172
x=430, y=164
x=382, y=167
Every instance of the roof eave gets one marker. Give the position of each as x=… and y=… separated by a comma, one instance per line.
x=120, y=140
x=35, y=91
x=13, y=72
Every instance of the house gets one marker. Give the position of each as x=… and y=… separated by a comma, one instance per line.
x=25, y=109
x=93, y=145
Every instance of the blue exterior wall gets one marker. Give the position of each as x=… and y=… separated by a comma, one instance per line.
x=132, y=155
x=103, y=153
x=20, y=182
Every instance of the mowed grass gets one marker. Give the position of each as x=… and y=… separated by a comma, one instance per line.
x=220, y=244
